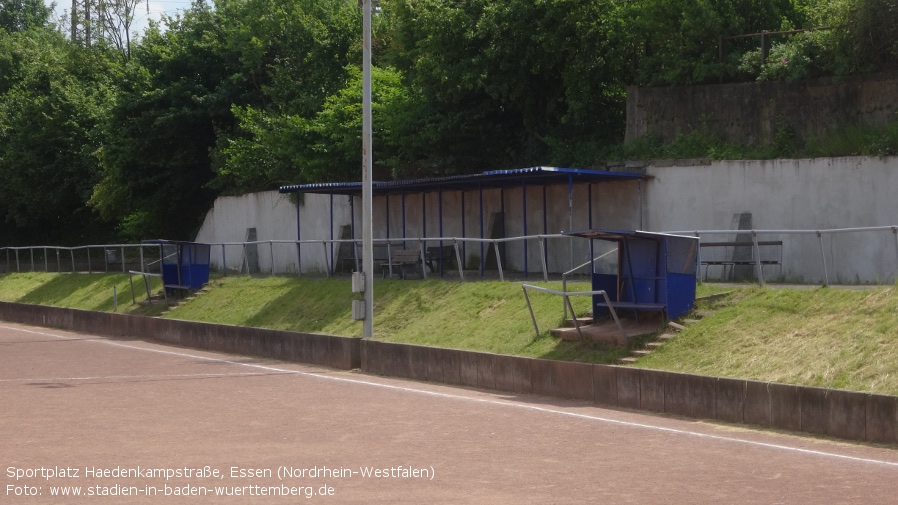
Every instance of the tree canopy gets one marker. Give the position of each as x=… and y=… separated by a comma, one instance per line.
x=245, y=95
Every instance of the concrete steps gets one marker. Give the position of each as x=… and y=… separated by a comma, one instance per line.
x=673, y=328
x=174, y=303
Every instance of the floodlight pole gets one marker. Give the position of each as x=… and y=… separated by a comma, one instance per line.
x=367, y=192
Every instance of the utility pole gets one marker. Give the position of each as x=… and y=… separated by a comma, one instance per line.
x=367, y=174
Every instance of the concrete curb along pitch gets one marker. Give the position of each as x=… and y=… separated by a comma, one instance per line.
x=842, y=414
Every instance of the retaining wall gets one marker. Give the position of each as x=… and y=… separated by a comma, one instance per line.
x=325, y=350
x=841, y=414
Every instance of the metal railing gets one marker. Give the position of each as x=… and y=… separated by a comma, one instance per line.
x=566, y=295
x=529, y=256
x=87, y=258
x=820, y=234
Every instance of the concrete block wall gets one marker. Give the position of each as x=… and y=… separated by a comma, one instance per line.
x=840, y=414
x=325, y=350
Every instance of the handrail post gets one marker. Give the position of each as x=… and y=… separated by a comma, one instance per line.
x=530, y=306
x=498, y=261
x=421, y=247
x=754, y=239
x=542, y=255
x=895, y=234
x=564, y=289
x=123, y=259
x=698, y=254
x=823, y=257
x=567, y=301
x=461, y=271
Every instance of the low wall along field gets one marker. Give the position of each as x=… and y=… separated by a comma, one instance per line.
x=842, y=414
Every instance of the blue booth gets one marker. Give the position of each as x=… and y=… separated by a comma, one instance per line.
x=655, y=271
x=185, y=265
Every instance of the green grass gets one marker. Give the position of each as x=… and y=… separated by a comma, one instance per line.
x=482, y=316
x=79, y=291
x=825, y=337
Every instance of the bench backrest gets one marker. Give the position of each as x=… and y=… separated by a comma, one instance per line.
x=379, y=251
x=405, y=255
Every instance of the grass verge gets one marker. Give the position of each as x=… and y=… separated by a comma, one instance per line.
x=822, y=337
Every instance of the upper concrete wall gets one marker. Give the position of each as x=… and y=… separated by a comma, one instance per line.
x=752, y=112
x=807, y=194
x=414, y=215
x=274, y=217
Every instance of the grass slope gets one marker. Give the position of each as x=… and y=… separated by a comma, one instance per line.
x=824, y=337
x=819, y=337
x=79, y=291
x=482, y=316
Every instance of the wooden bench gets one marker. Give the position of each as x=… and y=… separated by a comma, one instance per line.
x=403, y=260
x=440, y=258
x=724, y=254
x=348, y=262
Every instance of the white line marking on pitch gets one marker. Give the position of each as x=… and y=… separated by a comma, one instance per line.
x=153, y=377
x=487, y=401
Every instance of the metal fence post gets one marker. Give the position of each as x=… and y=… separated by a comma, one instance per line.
x=754, y=239
x=895, y=234
x=823, y=257
x=498, y=261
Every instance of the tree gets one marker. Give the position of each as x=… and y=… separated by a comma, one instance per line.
x=509, y=83
x=676, y=41
x=52, y=102
x=21, y=15
x=298, y=57
x=116, y=18
x=175, y=97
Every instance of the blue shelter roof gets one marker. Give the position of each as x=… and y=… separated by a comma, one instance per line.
x=490, y=179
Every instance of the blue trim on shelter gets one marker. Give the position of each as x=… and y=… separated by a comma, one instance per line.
x=489, y=179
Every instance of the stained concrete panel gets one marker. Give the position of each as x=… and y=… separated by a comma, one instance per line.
x=652, y=385
x=847, y=415
x=882, y=419
x=512, y=374
x=604, y=383
x=690, y=395
x=757, y=403
x=730, y=400
x=580, y=380
x=628, y=389
x=785, y=406
x=814, y=411
x=417, y=362
x=485, y=377
x=545, y=379
x=370, y=357
x=433, y=364
x=468, y=375
x=451, y=360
